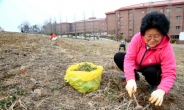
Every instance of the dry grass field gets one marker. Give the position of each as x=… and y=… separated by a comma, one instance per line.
x=32, y=70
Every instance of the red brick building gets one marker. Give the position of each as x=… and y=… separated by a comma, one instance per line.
x=63, y=27
x=126, y=21
x=93, y=26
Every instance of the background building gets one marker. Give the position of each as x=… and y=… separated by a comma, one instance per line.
x=92, y=26
x=126, y=21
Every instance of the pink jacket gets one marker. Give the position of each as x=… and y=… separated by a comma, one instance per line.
x=161, y=54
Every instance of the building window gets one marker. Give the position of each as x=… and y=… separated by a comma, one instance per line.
x=130, y=21
x=178, y=17
x=175, y=36
x=121, y=26
x=161, y=10
x=130, y=14
x=168, y=9
x=168, y=18
x=178, y=9
x=142, y=11
x=149, y=11
x=118, y=15
x=118, y=22
x=130, y=29
x=121, y=18
x=177, y=27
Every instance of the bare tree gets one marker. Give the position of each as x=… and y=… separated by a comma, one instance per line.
x=35, y=29
x=46, y=27
x=54, y=26
x=24, y=27
x=50, y=25
x=1, y=29
x=42, y=28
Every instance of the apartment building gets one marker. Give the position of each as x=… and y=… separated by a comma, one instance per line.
x=91, y=26
x=63, y=27
x=126, y=21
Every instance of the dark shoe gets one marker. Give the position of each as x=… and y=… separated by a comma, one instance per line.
x=152, y=88
x=137, y=77
x=123, y=77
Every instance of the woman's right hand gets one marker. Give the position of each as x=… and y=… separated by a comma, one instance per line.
x=131, y=87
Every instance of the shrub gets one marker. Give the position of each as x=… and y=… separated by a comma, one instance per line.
x=172, y=40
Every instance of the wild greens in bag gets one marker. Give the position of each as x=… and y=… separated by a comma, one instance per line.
x=84, y=76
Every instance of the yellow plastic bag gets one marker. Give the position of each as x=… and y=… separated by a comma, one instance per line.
x=84, y=81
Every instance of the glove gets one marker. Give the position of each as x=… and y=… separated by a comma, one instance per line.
x=157, y=97
x=131, y=87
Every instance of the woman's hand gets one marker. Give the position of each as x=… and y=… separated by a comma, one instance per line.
x=157, y=97
x=131, y=87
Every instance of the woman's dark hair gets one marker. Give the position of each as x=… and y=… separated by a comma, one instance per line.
x=155, y=20
x=51, y=33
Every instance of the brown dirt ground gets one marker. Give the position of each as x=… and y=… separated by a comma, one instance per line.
x=32, y=70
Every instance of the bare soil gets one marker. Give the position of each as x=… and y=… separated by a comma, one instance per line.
x=32, y=70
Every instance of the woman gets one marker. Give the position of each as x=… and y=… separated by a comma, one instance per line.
x=150, y=53
x=53, y=36
x=122, y=44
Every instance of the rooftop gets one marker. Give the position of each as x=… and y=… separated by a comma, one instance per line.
x=149, y=4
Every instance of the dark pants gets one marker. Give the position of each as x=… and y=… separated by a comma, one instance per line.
x=151, y=73
x=122, y=45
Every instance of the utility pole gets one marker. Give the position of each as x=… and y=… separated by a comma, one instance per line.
x=93, y=28
x=75, y=27
x=169, y=16
x=66, y=28
x=60, y=25
x=169, y=10
x=133, y=22
x=150, y=5
x=117, y=23
x=54, y=26
x=93, y=24
x=84, y=28
x=50, y=25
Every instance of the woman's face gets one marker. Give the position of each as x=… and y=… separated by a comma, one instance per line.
x=152, y=37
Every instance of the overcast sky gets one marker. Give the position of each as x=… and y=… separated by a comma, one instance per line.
x=14, y=12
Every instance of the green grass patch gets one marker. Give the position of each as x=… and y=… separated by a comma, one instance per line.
x=2, y=90
x=6, y=103
x=9, y=75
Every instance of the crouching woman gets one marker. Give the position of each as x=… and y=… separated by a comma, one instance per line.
x=151, y=54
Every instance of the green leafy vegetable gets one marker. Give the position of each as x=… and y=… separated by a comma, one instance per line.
x=85, y=67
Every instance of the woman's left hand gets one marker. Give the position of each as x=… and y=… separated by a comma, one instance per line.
x=157, y=97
